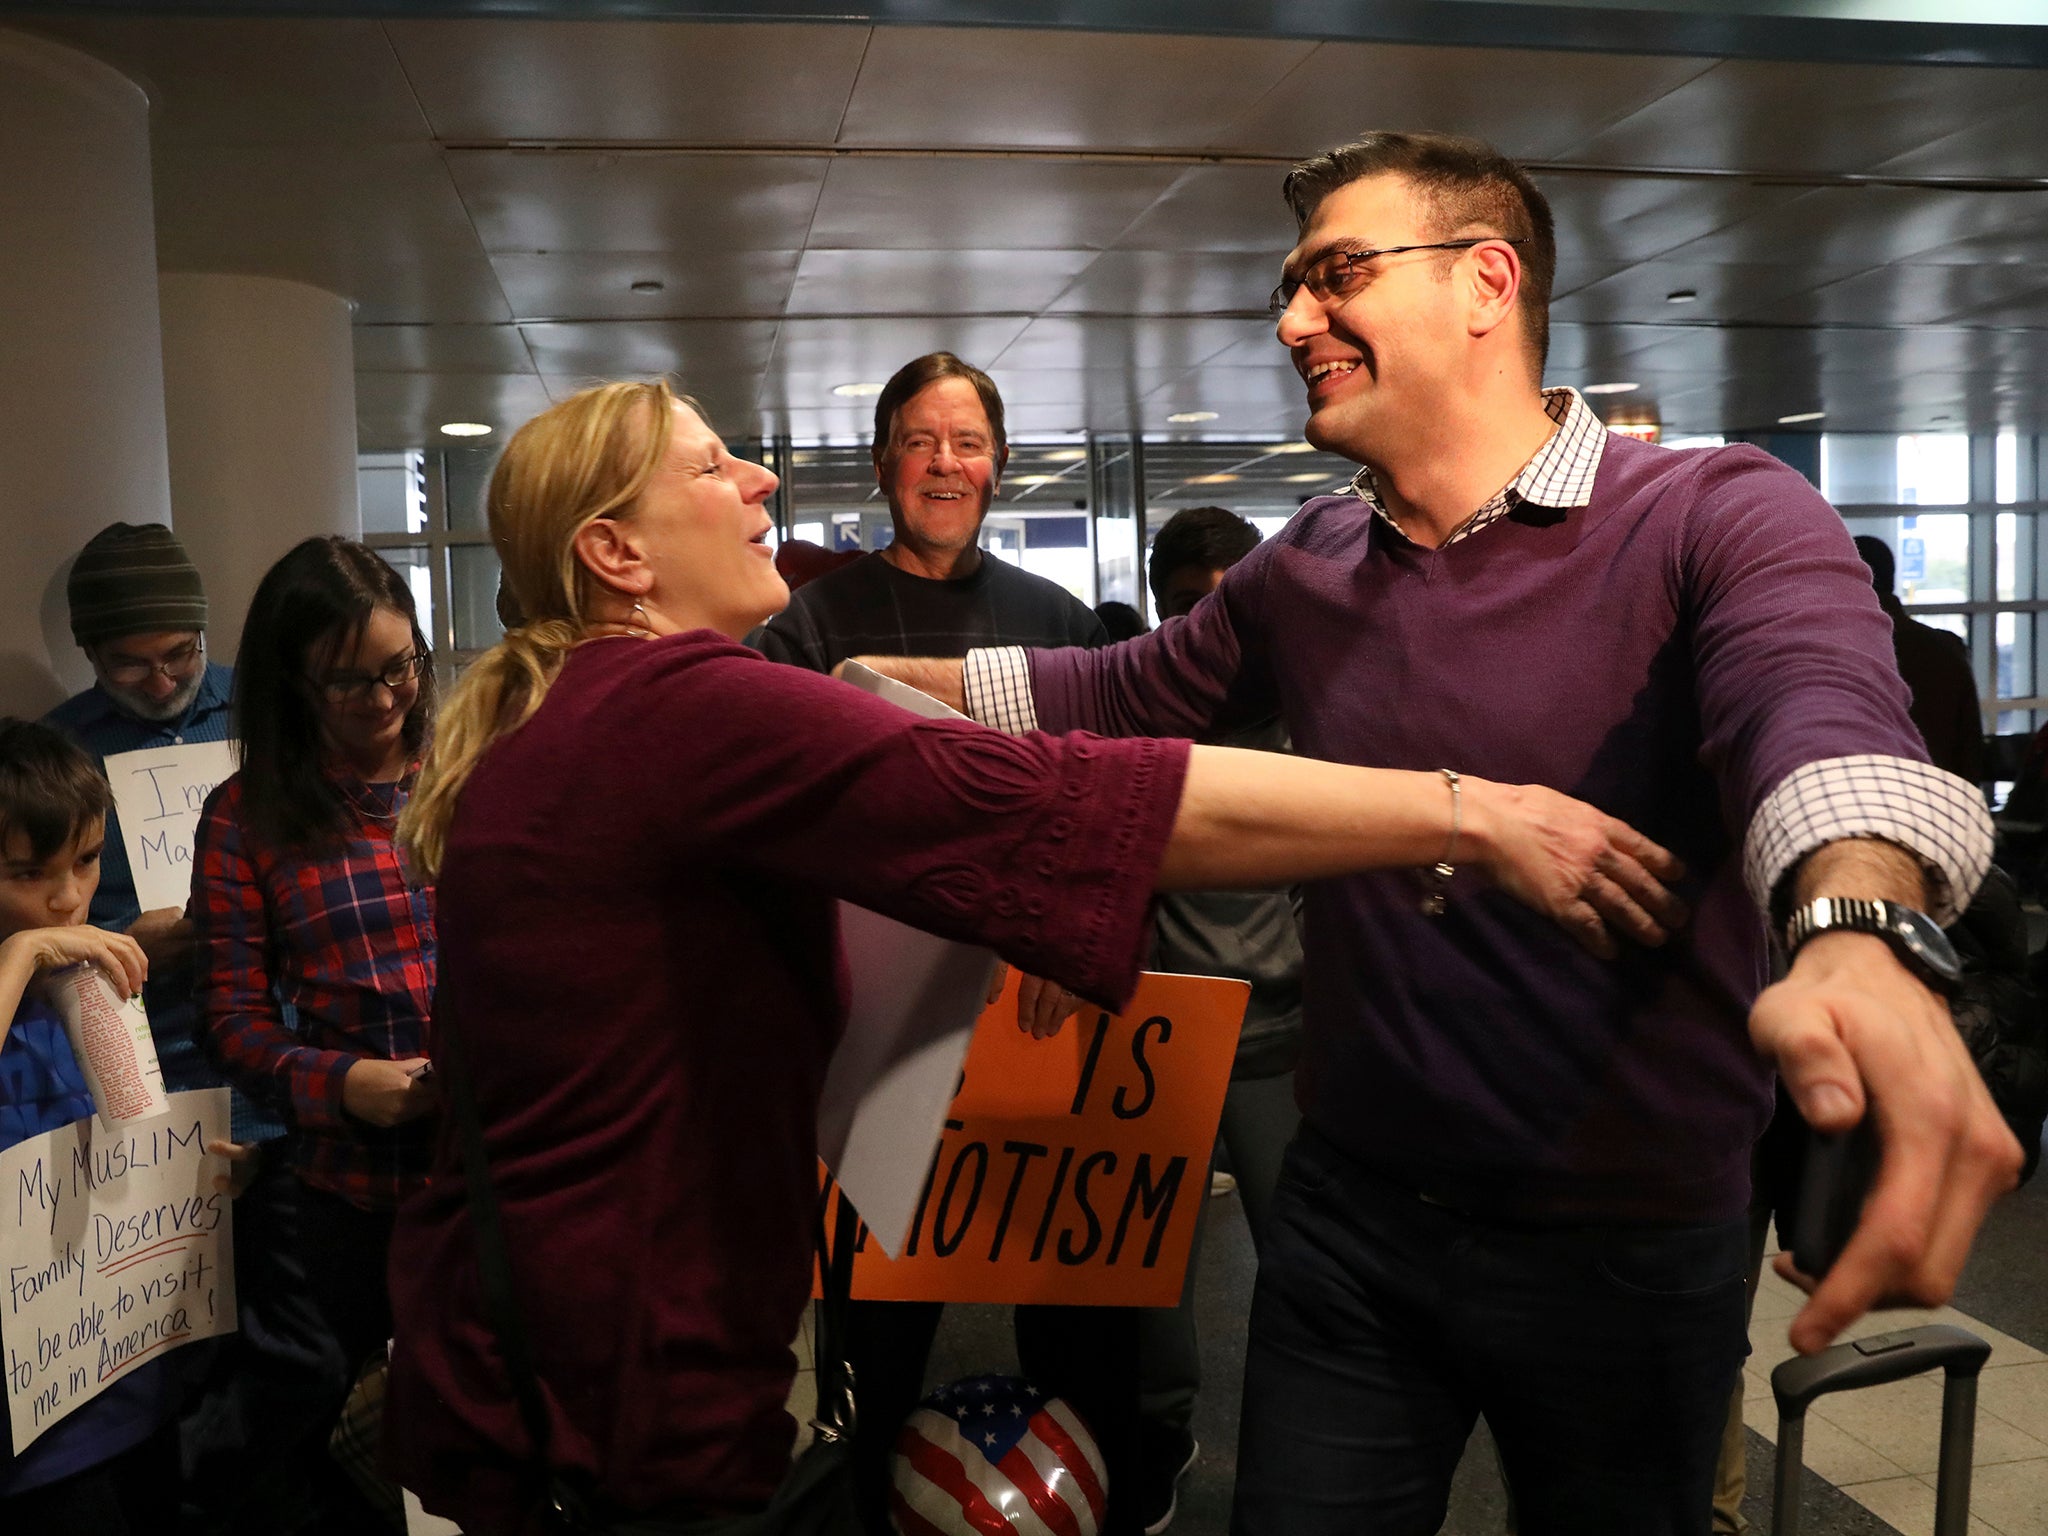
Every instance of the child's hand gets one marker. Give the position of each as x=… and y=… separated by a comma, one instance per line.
x=244, y=1159
x=51, y=949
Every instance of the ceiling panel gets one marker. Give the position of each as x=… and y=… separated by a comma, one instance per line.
x=1866, y=225
x=1172, y=283
x=956, y=85
x=1766, y=115
x=869, y=350
x=376, y=223
x=255, y=82
x=664, y=81
x=1091, y=342
x=1641, y=293
x=631, y=349
x=945, y=282
x=943, y=202
x=1631, y=218
x=586, y=200
x=598, y=285
x=441, y=349
x=1907, y=296
x=392, y=409
x=1217, y=208
x=2007, y=144
x=1528, y=104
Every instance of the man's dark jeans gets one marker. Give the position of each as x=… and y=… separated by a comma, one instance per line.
x=1602, y=1357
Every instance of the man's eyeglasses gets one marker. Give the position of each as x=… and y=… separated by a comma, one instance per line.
x=347, y=687
x=1342, y=273
x=128, y=671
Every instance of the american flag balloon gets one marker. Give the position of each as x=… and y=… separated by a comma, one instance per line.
x=994, y=1456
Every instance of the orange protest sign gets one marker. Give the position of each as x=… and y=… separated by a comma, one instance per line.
x=1071, y=1170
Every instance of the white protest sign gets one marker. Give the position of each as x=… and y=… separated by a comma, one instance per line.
x=915, y=1000
x=158, y=794
x=111, y=1039
x=114, y=1247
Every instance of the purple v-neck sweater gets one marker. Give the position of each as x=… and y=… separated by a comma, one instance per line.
x=1668, y=653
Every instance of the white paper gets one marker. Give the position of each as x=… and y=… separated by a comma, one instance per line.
x=158, y=795
x=114, y=1248
x=110, y=1037
x=915, y=1000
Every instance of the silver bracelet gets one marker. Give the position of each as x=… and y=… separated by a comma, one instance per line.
x=1439, y=876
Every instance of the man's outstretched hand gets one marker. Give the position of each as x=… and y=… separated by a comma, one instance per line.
x=1854, y=1032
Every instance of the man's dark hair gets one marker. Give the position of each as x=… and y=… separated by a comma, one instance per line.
x=50, y=790
x=1206, y=538
x=1121, y=620
x=1884, y=571
x=1465, y=185
x=915, y=375
x=319, y=596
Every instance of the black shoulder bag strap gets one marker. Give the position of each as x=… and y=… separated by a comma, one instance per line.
x=572, y=1510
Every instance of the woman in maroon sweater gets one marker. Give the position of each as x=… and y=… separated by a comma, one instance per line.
x=640, y=828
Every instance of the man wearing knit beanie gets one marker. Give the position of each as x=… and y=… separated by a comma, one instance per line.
x=138, y=612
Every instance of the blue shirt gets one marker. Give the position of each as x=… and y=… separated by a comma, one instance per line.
x=96, y=722
x=42, y=1090
x=103, y=728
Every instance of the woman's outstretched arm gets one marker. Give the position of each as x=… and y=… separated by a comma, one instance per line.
x=1262, y=819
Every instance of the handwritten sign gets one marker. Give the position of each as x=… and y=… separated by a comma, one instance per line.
x=158, y=795
x=114, y=1247
x=1071, y=1169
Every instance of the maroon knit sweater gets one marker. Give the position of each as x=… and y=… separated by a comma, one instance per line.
x=640, y=955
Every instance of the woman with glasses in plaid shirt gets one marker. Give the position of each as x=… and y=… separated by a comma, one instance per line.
x=316, y=946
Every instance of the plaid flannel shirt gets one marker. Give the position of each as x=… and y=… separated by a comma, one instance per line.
x=346, y=942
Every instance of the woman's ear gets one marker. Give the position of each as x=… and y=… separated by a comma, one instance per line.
x=608, y=550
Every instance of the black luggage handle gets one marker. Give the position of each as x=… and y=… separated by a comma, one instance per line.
x=1870, y=1362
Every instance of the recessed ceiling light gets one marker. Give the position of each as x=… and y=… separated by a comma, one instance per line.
x=1294, y=448
x=1184, y=417
x=1682, y=296
x=649, y=285
x=1031, y=480
x=1609, y=389
x=856, y=391
x=1305, y=479
x=1217, y=479
x=1065, y=455
x=1797, y=417
x=464, y=429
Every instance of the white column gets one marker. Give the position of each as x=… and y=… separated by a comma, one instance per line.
x=81, y=365
x=260, y=397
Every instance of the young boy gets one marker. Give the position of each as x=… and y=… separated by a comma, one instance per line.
x=108, y=1467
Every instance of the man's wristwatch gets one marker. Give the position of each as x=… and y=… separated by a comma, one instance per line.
x=1913, y=936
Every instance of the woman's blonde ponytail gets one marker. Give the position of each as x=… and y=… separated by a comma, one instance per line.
x=585, y=458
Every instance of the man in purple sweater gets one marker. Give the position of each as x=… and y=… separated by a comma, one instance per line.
x=1521, y=1180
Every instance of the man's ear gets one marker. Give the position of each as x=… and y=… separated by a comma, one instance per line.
x=1494, y=285
x=1002, y=460
x=611, y=553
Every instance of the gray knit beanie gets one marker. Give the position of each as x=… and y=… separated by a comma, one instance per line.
x=134, y=579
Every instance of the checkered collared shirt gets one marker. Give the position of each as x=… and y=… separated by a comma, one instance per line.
x=309, y=963
x=1935, y=816
x=1560, y=474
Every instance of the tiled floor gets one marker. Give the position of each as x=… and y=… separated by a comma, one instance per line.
x=1871, y=1454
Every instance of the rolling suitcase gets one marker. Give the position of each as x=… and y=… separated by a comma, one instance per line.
x=1867, y=1363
